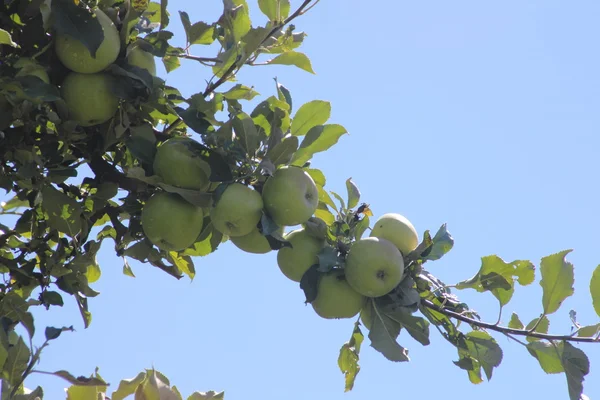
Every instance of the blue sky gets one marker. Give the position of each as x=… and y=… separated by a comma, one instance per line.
x=481, y=115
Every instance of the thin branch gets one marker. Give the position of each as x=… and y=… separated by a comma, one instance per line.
x=199, y=59
x=503, y=329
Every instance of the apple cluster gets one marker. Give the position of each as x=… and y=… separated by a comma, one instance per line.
x=372, y=266
x=86, y=89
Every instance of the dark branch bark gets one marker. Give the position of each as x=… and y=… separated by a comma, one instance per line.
x=106, y=172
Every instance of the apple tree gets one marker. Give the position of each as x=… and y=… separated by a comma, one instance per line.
x=96, y=149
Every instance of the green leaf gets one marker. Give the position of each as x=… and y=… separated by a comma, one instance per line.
x=353, y=193
x=5, y=38
x=164, y=14
x=548, y=354
x=284, y=94
x=595, y=289
x=361, y=227
x=245, y=130
x=184, y=263
x=309, y=115
x=541, y=326
x=64, y=213
x=294, y=58
x=557, y=281
x=3, y=356
x=589, y=331
x=317, y=175
x=283, y=152
x=236, y=19
x=16, y=362
x=310, y=283
x=80, y=380
x=318, y=139
x=171, y=63
x=576, y=366
x=349, y=356
x=383, y=334
x=77, y=392
x=127, y=269
x=441, y=244
x=79, y=23
x=275, y=10
x=52, y=298
x=210, y=395
x=416, y=327
x=515, y=322
x=127, y=387
x=52, y=333
x=483, y=348
x=197, y=33
x=207, y=242
x=240, y=92
x=15, y=307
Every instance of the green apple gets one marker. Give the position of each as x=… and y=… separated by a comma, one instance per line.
x=89, y=98
x=366, y=315
x=142, y=59
x=75, y=56
x=296, y=260
x=374, y=266
x=177, y=162
x=398, y=230
x=290, y=196
x=336, y=298
x=254, y=242
x=171, y=222
x=237, y=211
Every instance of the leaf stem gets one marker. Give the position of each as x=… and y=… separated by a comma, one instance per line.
x=503, y=329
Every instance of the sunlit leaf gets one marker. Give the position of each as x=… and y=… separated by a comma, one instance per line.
x=294, y=58
x=318, y=139
x=557, y=281
x=595, y=289
x=348, y=358
x=309, y=115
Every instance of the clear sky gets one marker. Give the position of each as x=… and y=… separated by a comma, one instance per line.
x=482, y=115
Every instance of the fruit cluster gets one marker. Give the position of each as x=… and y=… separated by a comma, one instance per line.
x=370, y=267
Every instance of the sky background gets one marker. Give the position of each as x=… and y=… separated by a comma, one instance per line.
x=481, y=115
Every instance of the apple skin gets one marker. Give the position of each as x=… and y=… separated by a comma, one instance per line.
x=142, y=59
x=171, y=222
x=335, y=297
x=76, y=57
x=88, y=98
x=254, y=242
x=366, y=315
x=296, y=260
x=397, y=229
x=290, y=196
x=177, y=164
x=238, y=211
x=374, y=266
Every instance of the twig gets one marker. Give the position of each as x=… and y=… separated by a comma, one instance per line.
x=503, y=329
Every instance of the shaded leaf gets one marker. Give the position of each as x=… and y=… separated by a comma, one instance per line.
x=383, y=334
x=318, y=139
x=16, y=361
x=310, y=283
x=441, y=244
x=52, y=333
x=64, y=213
x=80, y=380
x=481, y=346
x=283, y=152
x=557, y=281
x=79, y=23
x=576, y=366
x=548, y=354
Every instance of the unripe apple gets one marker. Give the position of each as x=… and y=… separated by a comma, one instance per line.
x=178, y=164
x=254, y=242
x=142, y=59
x=75, y=56
x=335, y=298
x=238, y=210
x=397, y=229
x=89, y=98
x=296, y=260
x=290, y=196
x=374, y=266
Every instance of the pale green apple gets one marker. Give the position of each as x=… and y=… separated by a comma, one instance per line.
x=296, y=260
x=75, y=56
x=178, y=164
x=142, y=59
x=397, y=229
x=336, y=298
x=374, y=266
x=89, y=98
x=171, y=222
x=254, y=242
x=366, y=315
x=290, y=196
x=237, y=211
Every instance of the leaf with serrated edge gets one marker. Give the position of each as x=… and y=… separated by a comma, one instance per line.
x=383, y=334
x=349, y=356
x=557, y=281
x=595, y=289
x=515, y=322
x=548, y=355
x=484, y=348
x=576, y=366
x=589, y=331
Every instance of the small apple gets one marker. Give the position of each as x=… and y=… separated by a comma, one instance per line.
x=374, y=266
x=142, y=59
x=178, y=164
x=171, y=222
x=254, y=242
x=290, y=196
x=296, y=260
x=397, y=229
x=366, y=315
x=75, y=56
x=335, y=297
x=89, y=98
x=237, y=211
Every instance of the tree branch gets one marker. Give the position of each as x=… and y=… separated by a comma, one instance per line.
x=503, y=329
x=106, y=172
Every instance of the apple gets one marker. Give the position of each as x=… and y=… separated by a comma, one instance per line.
x=374, y=266
x=75, y=56
x=179, y=165
x=296, y=260
x=171, y=222
x=397, y=229
x=336, y=298
x=366, y=315
x=142, y=59
x=89, y=98
x=254, y=242
x=290, y=196
x=237, y=211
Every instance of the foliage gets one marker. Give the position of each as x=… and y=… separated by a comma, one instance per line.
x=72, y=187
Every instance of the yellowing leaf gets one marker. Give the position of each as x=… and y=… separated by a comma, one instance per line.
x=557, y=281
